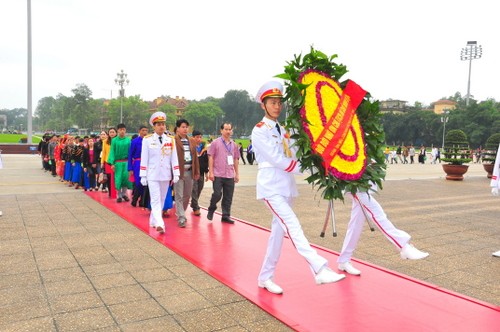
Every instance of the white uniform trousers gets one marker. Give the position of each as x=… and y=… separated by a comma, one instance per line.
x=285, y=222
x=157, y=192
x=375, y=212
x=183, y=189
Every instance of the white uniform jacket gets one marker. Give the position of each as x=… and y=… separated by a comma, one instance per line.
x=158, y=160
x=276, y=159
x=495, y=179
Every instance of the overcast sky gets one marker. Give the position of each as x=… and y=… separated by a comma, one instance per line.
x=197, y=48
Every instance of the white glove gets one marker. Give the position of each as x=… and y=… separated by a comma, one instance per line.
x=144, y=181
x=494, y=191
x=176, y=178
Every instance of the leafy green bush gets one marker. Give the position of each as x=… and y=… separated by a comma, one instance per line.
x=456, y=148
x=490, y=152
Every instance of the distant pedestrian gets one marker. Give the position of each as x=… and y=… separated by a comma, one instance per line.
x=421, y=155
x=250, y=153
x=240, y=146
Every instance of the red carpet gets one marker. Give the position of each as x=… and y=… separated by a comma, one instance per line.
x=379, y=300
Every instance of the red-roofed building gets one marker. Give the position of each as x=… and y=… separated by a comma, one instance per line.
x=443, y=105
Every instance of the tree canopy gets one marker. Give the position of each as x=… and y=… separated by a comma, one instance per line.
x=419, y=126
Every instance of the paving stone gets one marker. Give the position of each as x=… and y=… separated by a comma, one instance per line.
x=151, y=275
x=76, y=302
x=112, y=280
x=123, y=294
x=184, y=302
x=134, y=311
x=45, y=324
x=66, y=287
x=84, y=320
x=160, y=324
x=209, y=319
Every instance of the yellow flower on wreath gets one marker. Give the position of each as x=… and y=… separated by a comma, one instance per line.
x=333, y=126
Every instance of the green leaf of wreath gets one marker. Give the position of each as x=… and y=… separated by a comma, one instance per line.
x=368, y=114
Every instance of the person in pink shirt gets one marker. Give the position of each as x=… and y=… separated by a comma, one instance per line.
x=223, y=159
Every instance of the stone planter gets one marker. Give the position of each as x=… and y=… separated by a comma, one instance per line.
x=489, y=169
x=455, y=172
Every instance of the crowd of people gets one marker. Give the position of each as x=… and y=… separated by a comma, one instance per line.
x=409, y=155
x=162, y=169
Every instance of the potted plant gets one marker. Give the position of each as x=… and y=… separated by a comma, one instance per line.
x=489, y=154
x=456, y=153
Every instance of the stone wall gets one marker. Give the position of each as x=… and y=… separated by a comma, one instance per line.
x=16, y=148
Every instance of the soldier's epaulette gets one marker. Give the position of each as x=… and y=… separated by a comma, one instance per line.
x=147, y=136
x=260, y=124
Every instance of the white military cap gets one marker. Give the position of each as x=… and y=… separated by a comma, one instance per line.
x=269, y=89
x=157, y=117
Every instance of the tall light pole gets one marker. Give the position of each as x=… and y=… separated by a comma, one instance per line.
x=470, y=52
x=122, y=80
x=30, y=95
x=444, y=118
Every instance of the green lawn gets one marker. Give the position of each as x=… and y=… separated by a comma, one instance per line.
x=15, y=138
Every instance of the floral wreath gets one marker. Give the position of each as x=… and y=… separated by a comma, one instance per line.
x=336, y=127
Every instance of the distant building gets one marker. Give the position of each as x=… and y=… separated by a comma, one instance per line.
x=443, y=104
x=394, y=106
x=180, y=104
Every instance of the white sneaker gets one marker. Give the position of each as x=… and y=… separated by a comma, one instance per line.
x=326, y=276
x=347, y=267
x=270, y=286
x=496, y=254
x=410, y=252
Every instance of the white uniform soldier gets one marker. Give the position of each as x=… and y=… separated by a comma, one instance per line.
x=276, y=187
x=159, y=166
x=374, y=211
x=495, y=184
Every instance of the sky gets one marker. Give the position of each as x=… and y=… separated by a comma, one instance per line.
x=196, y=48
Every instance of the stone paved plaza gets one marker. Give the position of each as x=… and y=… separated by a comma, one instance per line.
x=69, y=264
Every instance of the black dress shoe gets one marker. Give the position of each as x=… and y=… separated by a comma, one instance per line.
x=227, y=220
x=133, y=203
x=126, y=199
x=210, y=215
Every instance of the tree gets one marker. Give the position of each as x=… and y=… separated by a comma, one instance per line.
x=203, y=116
x=171, y=113
x=82, y=114
x=46, y=114
x=239, y=109
x=135, y=112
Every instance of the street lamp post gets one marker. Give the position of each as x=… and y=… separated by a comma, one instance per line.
x=470, y=52
x=444, y=119
x=122, y=80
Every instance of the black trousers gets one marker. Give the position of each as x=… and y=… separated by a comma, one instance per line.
x=223, y=188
